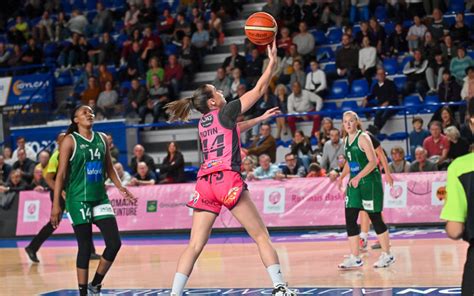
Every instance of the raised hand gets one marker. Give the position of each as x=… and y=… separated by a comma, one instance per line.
x=270, y=113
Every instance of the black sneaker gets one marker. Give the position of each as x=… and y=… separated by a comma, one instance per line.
x=31, y=254
x=282, y=290
x=94, y=290
x=95, y=256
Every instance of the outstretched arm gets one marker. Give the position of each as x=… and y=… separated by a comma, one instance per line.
x=248, y=124
x=252, y=96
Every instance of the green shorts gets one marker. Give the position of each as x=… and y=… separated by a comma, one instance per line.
x=368, y=195
x=87, y=212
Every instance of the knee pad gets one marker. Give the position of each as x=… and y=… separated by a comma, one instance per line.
x=379, y=225
x=112, y=248
x=351, y=221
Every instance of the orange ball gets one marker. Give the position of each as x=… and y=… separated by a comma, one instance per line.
x=261, y=28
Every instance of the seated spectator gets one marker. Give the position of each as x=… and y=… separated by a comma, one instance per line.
x=38, y=183
x=459, y=32
x=377, y=34
x=222, y=82
x=143, y=176
x=282, y=103
x=467, y=130
x=418, y=135
x=235, y=60
x=436, y=145
x=154, y=69
x=264, y=104
x=139, y=155
x=304, y=41
x=114, y=151
x=323, y=135
x=447, y=118
x=70, y=54
x=87, y=73
x=61, y=31
x=315, y=171
x=215, y=29
x=21, y=144
x=188, y=59
x=5, y=170
x=285, y=67
x=105, y=53
x=236, y=80
x=285, y=40
x=364, y=32
x=14, y=59
x=19, y=33
x=398, y=163
x=33, y=55
x=43, y=159
x=272, y=7
x=335, y=173
x=103, y=20
x=91, y=93
x=415, y=71
x=316, y=80
x=292, y=168
x=347, y=60
x=331, y=150
x=253, y=69
x=104, y=76
x=200, y=39
x=149, y=52
x=123, y=175
x=301, y=100
x=421, y=163
x=264, y=144
x=7, y=155
x=448, y=49
x=166, y=25
x=181, y=27
x=173, y=75
x=330, y=16
x=383, y=94
x=429, y=47
x=434, y=73
x=15, y=183
x=415, y=34
x=78, y=23
x=367, y=60
x=467, y=92
x=310, y=11
x=43, y=31
x=448, y=90
x=25, y=165
x=459, y=64
x=153, y=48
x=83, y=50
x=298, y=74
x=137, y=97
x=266, y=170
x=396, y=43
x=438, y=26
x=457, y=146
x=107, y=100
x=148, y=14
x=172, y=166
x=4, y=55
x=131, y=18
x=290, y=15
x=301, y=148
x=248, y=166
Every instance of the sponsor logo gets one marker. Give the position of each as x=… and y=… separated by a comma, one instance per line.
x=94, y=171
x=438, y=193
x=396, y=196
x=83, y=146
x=20, y=86
x=195, y=197
x=31, y=211
x=274, y=201
x=441, y=193
x=151, y=206
x=102, y=210
x=368, y=205
x=207, y=120
x=213, y=163
x=211, y=203
x=231, y=195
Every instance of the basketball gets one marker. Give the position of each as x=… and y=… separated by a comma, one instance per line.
x=261, y=28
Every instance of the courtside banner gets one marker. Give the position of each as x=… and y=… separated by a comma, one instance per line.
x=414, y=198
x=21, y=88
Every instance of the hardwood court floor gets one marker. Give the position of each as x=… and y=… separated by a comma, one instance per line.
x=434, y=262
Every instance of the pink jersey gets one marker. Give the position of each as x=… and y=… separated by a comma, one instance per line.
x=220, y=145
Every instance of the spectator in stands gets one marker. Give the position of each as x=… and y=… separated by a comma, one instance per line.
x=438, y=26
x=4, y=55
x=364, y=32
x=104, y=76
x=114, y=151
x=458, y=146
x=38, y=182
x=430, y=47
x=7, y=155
x=69, y=55
x=359, y=10
x=139, y=155
x=158, y=98
x=43, y=158
x=264, y=144
x=131, y=18
x=335, y=173
x=416, y=33
x=459, y=32
x=181, y=27
x=19, y=33
x=196, y=17
x=301, y=100
x=173, y=75
x=447, y=118
x=150, y=52
x=434, y=73
x=282, y=103
x=421, y=163
x=266, y=102
x=415, y=71
x=5, y=170
x=398, y=163
x=290, y=15
x=103, y=21
x=331, y=150
x=301, y=147
x=106, y=52
x=91, y=93
x=154, y=69
x=166, y=25
x=248, y=166
x=135, y=67
x=188, y=59
x=61, y=31
x=384, y=93
x=304, y=41
x=315, y=171
x=396, y=43
x=323, y=135
x=436, y=145
x=291, y=169
x=316, y=80
x=43, y=31
x=467, y=92
x=310, y=11
x=418, y=135
x=298, y=74
x=87, y=73
x=235, y=60
x=33, y=55
x=467, y=130
x=25, y=165
x=148, y=36
x=124, y=176
x=367, y=60
x=107, y=100
x=237, y=80
x=331, y=15
x=347, y=58
x=78, y=23
x=144, y=176
x=222, y=82
x=448, y=90
x=459, y=64
x=137, y=97
x=266, y=170
x=272, y=7
x=216, y=33
x=148, y=15
x=448, y=49
x=377, y=34
x=253, y=69
x=284, y=41
x=172, y=166
x=21, y=144
x=285, y=67
x=14, y=60
x=200, y=39
x=15, y=183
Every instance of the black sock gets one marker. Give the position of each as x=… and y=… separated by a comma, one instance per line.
x=83, y=290
x=97, y=279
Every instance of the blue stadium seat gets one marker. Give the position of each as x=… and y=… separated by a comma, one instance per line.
x=79, y=4
x=456, y=6
x=121, y=39
x=381, y=137
x=64, y=78
x=380, y=13
x=91, y=4
x=450, y=19
x=400, y=82
x=355, y=30
x=118, y=26
x=334, y=35
x=339, y=90
x=171, y=49
x=359, y=88
x=50, y=50
x=390, y=65
x=319, y=37
x=91, y=15
x=471, y=53
x=430, y=100
x=407, y=23
x=349, y=106
x=330, y=68
x=329, y=106
x=190, y=173
x=324, y=54
x=399, y=136
x=94, y=42
x=469, y=20
x=389, y=27
x=413, y=103
x=313, y=141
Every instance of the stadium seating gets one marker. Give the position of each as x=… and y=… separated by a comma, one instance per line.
x=359, y=88
x=413, y=103
x=339, y=89
x=390, y=65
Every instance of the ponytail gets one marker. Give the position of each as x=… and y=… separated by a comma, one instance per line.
x=179, y=110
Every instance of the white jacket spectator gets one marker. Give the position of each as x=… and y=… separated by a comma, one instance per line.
x=367, y=57
x=316, y=79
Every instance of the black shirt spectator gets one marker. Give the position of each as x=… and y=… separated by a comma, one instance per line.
x=290, y=15
x=235, y=60
x=458, y=146
x=172, y=166
x=253, y=69
x=141, y=156
x=25, y=165
x=449, y=90
x=16, y=183
x=467, y=132
x=459, y=32
x=347, y=60
x=397, y=42
x=148, y=14
x=5, y=170
x=137, y=97
x=438, y=27
x=33, y=55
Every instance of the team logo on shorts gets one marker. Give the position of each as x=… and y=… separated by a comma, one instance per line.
x=231, y=195
x=195, y=197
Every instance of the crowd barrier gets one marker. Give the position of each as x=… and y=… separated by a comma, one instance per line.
x=307, y=202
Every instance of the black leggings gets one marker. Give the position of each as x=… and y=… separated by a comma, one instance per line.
x=108, y=229
x=468, y=276
x=352, y=227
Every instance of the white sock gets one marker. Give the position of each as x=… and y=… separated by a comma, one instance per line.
x=364, y=235
x=178, y=283
x=275, y=274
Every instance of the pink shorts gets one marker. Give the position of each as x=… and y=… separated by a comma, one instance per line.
x=216, y=190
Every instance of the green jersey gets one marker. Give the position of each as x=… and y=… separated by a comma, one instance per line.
x=357, y=159
x=87, y=173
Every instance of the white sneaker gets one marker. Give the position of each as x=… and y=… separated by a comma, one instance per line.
x=385, y=260
x=283, y=290
x=351, y=262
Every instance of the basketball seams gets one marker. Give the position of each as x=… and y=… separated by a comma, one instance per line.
x=261, y=28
